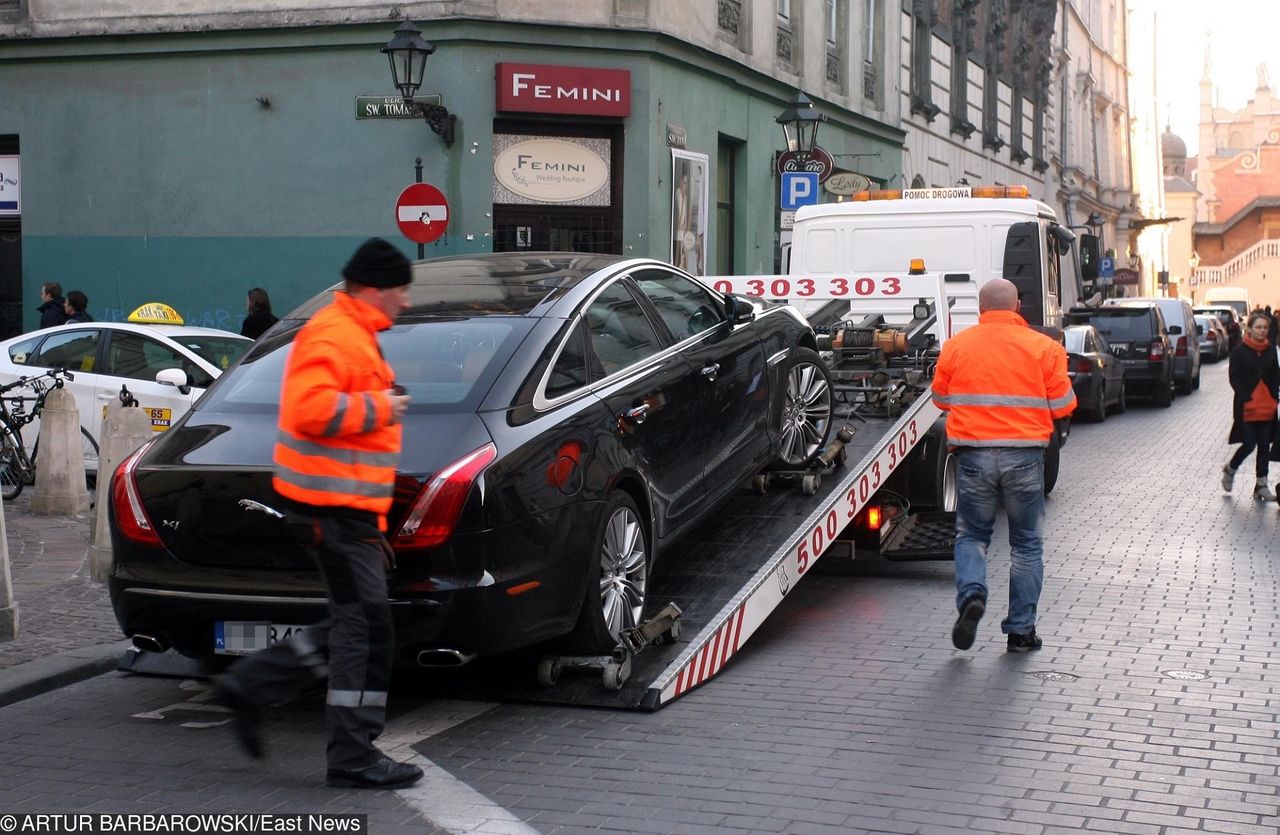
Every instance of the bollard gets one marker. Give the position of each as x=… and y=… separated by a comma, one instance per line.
x=60, y=487
x=125, y=429
x=8, y=607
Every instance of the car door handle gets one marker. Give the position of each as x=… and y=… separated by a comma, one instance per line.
x=710, y=371
x=636, y=414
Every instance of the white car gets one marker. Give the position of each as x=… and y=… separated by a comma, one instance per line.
x=164, y=364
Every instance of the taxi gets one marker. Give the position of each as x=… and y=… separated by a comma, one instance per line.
x=163, y=363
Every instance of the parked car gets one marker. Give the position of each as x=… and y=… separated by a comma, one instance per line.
x=1096, y=375
x=1181, y=324
x=1230, y=320
x=165, y=366
x=1213, y=337
x=1138, y=338
x=571, y=416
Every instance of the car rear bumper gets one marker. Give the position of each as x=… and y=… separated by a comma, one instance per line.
x=1145, y=374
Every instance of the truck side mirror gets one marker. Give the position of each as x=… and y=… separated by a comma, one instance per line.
x=1090, y=257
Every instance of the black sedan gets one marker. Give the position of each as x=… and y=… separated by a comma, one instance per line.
x=1096, y=375
x=571, y=416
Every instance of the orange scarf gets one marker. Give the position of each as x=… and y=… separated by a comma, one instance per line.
x=1261, y=406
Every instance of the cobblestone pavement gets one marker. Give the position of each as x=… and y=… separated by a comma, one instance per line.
x=59, y=607
x=1149, y=710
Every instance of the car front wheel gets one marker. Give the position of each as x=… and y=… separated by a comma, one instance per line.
x=618, y=578
x=805, y=413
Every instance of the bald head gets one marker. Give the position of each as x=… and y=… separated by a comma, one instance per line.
x=998, y=294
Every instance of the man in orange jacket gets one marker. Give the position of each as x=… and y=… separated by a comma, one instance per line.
x=337, y=445
x=1002, y=385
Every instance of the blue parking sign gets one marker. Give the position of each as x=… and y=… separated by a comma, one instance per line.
x=799, y=188
x=1107, y=267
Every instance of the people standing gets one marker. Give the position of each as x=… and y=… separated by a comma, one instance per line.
x=338, y=442
x=76, y=307
x=259, y=317
x=1002, y=386
x=52, y=305
x=1255, y=376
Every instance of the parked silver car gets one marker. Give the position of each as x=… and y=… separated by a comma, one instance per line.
x=1213, y=338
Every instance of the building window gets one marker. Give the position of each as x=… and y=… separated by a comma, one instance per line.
x=784, y=40
x=922, y=59
x=835, y=41
x=12, y=11
x=726, y=188
x=994, y=27
x=962, y=42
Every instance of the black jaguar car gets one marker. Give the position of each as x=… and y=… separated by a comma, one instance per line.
x=571, y=416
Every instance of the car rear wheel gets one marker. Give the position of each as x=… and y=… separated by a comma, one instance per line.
x=805, y=412
x=618, y=578
x=1098, y=411
x=1122, y=402
x=1163, y=394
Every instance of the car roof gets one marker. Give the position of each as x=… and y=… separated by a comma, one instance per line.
x=494, y=283
x=169, y=331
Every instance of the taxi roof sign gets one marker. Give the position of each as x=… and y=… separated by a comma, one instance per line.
x=155, y=313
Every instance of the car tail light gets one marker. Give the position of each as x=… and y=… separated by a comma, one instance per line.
x=1156, y=352
x=1181, y=349
x=1212, y=336
x=435, y=511
x=1082, y=366
x=131, y=517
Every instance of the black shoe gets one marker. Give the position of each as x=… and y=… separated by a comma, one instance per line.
x=247, y=716
x=1024, y=643
x=386, y=773
x=967, y=624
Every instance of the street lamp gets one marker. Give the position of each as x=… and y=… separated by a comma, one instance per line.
x=800, y=124
x=407, y=52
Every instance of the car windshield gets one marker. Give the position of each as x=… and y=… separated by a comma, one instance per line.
x=1123, y=325
x=446, y=365
x=1074, y=339
x=221, y=351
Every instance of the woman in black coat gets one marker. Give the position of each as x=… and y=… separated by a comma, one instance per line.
x=259, y=318
x=1255, y=378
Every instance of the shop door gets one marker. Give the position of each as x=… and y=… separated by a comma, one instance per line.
x=555, y=229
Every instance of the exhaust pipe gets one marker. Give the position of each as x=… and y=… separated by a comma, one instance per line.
x=149, y=643
x=444, y=657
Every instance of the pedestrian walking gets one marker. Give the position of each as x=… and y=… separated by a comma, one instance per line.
x=1002, y=386
x=339, y=438
x=52, y=305
x=259, y=317
x=76, y=307
x=1255, y=376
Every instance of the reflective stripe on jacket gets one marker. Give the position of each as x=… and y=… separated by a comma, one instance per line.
x=1002, y=383
x=336, y=445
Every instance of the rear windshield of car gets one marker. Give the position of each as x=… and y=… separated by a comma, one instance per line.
x=446, y=365
x=1074, y=339
x=222, y=351
x=1123, y=325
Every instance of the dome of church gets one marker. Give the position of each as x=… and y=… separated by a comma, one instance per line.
x=1171, y=146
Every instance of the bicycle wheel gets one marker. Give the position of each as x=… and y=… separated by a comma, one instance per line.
x=10, y=469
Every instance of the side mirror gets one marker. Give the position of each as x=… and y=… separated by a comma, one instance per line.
x=1090, y=257
x=1174, y=330
x=738, y=310
x=1199, y=330
x=174, y=377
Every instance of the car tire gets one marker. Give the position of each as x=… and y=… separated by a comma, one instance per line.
x=617, y=578
x=1163, y=394
x=933, y=472
x=1122, y=402
x=1195, y=381
x=1098, y=411
x=805, y=411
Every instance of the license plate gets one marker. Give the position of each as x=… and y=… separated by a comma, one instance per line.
x=243, y=637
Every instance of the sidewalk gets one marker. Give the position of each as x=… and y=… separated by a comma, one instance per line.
x=66, y=630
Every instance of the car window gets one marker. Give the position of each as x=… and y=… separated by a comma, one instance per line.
x=75, y=350
x=570, y=371
x=218, y=351
x=687, y=307
x=620, y=333
x=21, y=353
x=1074, y=339
x=138, y=357
x=1121, y=325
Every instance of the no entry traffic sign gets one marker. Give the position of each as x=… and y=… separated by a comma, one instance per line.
x=422, y=213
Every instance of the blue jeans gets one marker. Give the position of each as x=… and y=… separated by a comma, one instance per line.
x=985, y=478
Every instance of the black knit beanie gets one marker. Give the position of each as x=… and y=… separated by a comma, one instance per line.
x=378, y=264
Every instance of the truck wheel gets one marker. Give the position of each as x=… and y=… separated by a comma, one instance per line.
x=932, y=471
x=804, y=415
x=1051, y=459
x=617, y=578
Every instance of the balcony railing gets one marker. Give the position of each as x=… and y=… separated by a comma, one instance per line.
x=1239, y=265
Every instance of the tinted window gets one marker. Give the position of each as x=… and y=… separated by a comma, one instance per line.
x=687, y=307
x=1074, y=340
x=1124, y=325
x=570, y=370
x=75, y=350
x=446, y=365
x=219, y=351
x=21, y=353
x=139, y=358
x=620, y=333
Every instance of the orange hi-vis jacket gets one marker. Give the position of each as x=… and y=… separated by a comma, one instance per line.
x=337, y=445
x=1002, y=384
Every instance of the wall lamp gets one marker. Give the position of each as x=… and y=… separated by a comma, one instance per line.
x=407, y=52
x=800, y=123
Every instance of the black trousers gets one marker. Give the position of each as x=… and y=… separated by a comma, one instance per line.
x=353, y=646
x=1256, y=436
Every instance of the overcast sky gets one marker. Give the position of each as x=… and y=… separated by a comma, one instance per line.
x=1242, y=34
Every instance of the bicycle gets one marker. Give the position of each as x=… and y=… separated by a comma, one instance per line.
x=17, y=469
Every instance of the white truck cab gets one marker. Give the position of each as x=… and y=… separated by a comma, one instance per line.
x=970, y=234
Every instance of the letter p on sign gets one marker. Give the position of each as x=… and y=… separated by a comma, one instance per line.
x=799, y=188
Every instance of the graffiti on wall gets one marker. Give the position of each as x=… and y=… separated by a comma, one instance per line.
x=209, y=317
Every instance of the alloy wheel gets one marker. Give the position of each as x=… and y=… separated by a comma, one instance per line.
x=806, y=413
x=624, y=571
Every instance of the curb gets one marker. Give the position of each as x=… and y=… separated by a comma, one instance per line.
x=43, y=675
